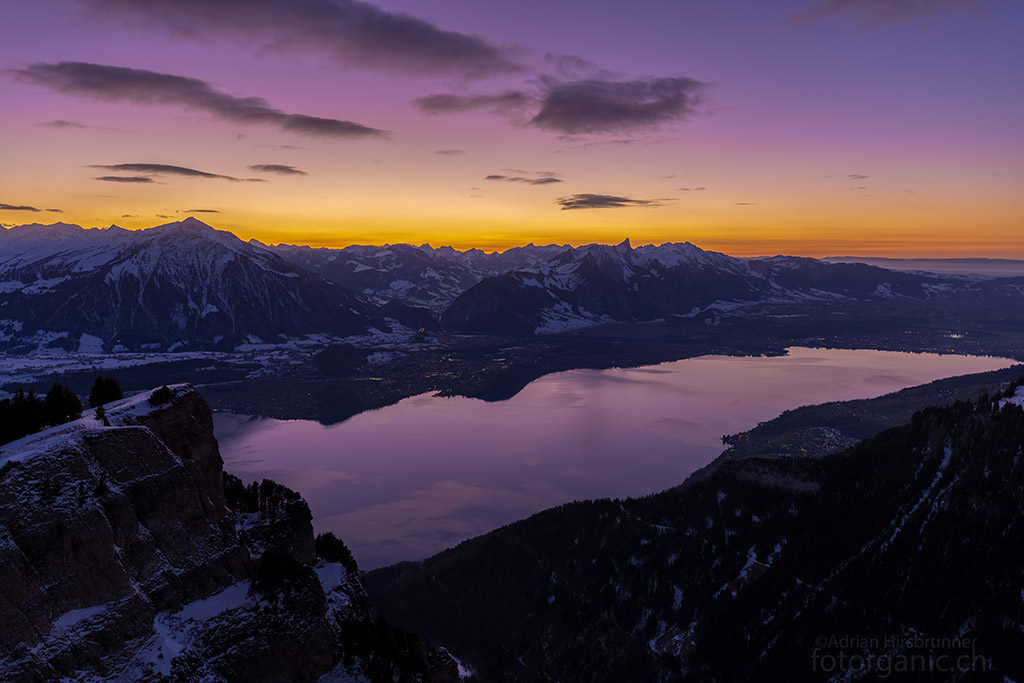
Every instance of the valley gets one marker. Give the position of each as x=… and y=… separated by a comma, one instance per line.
x=292, y=334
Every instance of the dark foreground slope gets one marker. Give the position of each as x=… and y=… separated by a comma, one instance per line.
x=125, y=555
x=900, y=557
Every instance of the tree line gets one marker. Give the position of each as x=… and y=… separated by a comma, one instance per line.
x=26, y=412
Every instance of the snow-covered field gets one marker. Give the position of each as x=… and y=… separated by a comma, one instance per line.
x=262, y=358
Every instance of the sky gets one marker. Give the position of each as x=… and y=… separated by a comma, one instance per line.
x=811, y=127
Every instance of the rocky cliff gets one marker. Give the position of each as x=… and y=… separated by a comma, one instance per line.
x=121, y=558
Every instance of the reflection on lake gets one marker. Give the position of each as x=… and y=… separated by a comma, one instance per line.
x=411, y=479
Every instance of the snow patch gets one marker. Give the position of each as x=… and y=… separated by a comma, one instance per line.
x=69, y=619
x=90, y=343
x=1017, y=399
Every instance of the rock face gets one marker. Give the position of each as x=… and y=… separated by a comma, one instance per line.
x=122, y=559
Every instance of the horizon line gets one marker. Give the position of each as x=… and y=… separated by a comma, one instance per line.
x=573, y=244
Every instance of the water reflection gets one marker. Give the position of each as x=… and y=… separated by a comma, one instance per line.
x=406, y=481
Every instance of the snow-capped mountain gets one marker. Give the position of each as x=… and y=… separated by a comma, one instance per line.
x=421, y=276
x=599, y=283
x=187, y=285
x=179, y=285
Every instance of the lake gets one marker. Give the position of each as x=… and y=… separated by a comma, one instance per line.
x=406, y=481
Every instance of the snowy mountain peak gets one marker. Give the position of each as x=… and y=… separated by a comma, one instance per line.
x=53, y=227
x=191, y=231
x=178, y=284
x=188, y=226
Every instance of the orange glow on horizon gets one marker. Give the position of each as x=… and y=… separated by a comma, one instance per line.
x=741, y=242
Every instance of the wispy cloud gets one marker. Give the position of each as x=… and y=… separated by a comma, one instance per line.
x=124, y=179
x=353, y=32
x=149, y=88
x=276, y=169
x=63, y=124
x=601, y=201
x=202, y=211
x=692, y=189
x=856, y=176
x=527, y=177
x=22, y=207
x=508, y=103
x=164, y=170
x=450, y=152
x=574, y=67
x=883, y=12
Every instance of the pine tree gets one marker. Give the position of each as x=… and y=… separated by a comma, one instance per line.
x=105, y=390
x=61, y=405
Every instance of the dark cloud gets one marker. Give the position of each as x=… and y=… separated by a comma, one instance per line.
x=202, y=211
x=600, y=106
x=276, y=169
x=605, y=143
x=508, y=103
x=601, y=201
x=692, y=189
x=160, y=215
x=167, y=169
x=124, y=179
x=353, y=32
x=129, y=215
x=857, y=176
x=62, y=124
x=527, y=177
x=590, y=106
x=745, y=203
x=883, y=12
x=21, y=207
x=14, y=207
x=142, y=87
x=450, y=152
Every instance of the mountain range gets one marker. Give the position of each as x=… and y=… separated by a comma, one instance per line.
x=180, y=285
x=186, y=285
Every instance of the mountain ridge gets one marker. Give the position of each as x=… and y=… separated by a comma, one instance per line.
x=186, y=285
x=177, y=285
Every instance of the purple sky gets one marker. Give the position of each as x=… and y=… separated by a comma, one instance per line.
x=843, y=126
